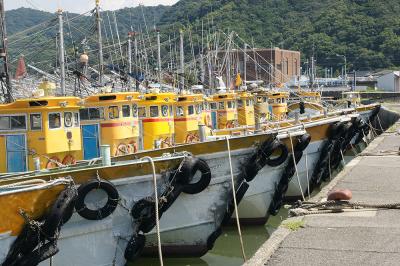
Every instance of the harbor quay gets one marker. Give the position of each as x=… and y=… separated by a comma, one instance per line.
x=365, y=236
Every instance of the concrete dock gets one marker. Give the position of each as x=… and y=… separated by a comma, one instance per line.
x=354, y=237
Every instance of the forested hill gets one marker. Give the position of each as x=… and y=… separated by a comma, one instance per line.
x=366, y=31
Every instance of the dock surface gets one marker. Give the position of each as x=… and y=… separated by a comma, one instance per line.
x=354, y=237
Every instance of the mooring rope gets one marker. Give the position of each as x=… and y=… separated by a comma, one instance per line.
x=234, y=200
x=156, y=205
x=335, y=206
x=295, y=167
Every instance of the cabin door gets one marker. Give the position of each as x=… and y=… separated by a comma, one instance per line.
x=16, y=153
x=214, y=120
x=91, y=147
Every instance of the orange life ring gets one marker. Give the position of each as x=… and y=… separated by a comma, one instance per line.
x=53, y=162
x=190, y=138
x=122, y=149
x=230, y=124
x=166, y=143
x=69, y=160
x=132, y=147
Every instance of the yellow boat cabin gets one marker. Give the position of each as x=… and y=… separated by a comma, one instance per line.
x=157, y=119
x=278, y=105
x=110, y=119
x=245, y=109
x=188, y=116
x=39, y=133
x=224, y=114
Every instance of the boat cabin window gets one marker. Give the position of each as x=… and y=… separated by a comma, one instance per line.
x=134, y=110
x=36, y=121
x=240, y=103
x=113, y=112
x=247, y=102
x=171, y=112
x=271, y=101
x=13, y=122
x=279, y=100
x=54, y=120
x=190, y=110
x=213, y=106
x=76, y=119
x=68, y=120
x=142, y=111
x=179, y=111
x=126, y=110
x=221, y=105
x=230, y=104
x=164, y=110
x=283, y=100
x=198, y=108
x=153, y=111
x=91, y=113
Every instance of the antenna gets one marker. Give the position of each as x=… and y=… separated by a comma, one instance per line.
x=7, y=91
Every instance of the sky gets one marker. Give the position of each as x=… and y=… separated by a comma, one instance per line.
x=81, y=6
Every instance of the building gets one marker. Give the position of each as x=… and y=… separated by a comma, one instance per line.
x=389, y=81
x=269, y=65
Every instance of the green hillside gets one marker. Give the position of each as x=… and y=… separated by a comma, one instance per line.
x=366, y=31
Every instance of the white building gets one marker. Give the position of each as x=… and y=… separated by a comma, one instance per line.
x=389, y=82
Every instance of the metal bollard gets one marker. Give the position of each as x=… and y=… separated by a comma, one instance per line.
x=36, y=163
x=202, y=132
x=105, y=153
x=296, y=117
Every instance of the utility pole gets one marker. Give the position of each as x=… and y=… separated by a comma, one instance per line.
x=100, y=41
x=3, y=55
x=61, y=51
x=182, y=59
x=158, y=57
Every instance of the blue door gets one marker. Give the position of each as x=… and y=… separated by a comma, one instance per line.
x=214, y=119
x=90, y=134
x=16, y=153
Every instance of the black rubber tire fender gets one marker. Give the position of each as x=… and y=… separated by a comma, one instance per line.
x=303, y=143
x=205, y=179
x=60, y=212
x=107, y=209
x=145, y=211
x=278, y=145
x=134, y=247
x=185, y=173
x=240, y=192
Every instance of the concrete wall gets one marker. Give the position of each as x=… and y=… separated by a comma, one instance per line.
x=389, y=82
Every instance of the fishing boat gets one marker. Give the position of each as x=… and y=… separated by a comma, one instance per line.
x=114, y=207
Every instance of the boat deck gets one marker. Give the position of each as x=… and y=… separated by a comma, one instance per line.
x=353, y=237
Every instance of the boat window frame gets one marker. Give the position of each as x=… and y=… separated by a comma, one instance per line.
x=166, y=109
x=145, y=111
x=181, y=111
x=100, y=111
x=230, y=105
x=9, y=122
x=109, y=112
x=48, y=120
x=213, y=106
x=30, y=122
x=158, y=111
x=190, y=109
x=135, y=110
x=129, y=109
x=72, y=119
x=221, y=104
x=77, y=119
x=198, y=108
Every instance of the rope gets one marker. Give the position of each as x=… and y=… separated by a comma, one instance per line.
x=295, y=167
x=234, y=200
x=333, y=206
x=308, y=179
x=157, y=211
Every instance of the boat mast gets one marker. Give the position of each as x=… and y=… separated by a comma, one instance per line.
x=129, y=59
x=7, y=92
x=61, y=51
x=158, y=57
x=100, y=41
x=182, y=61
